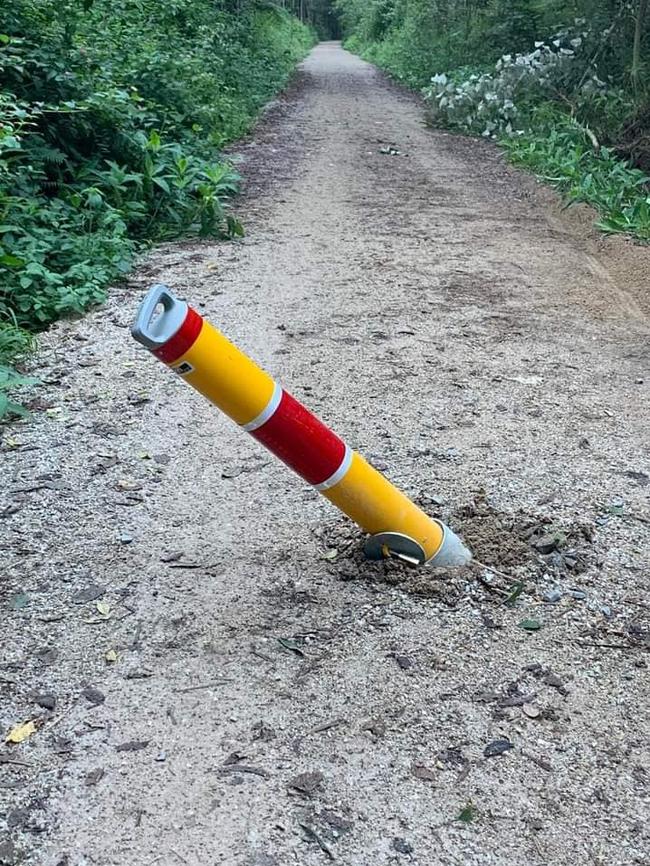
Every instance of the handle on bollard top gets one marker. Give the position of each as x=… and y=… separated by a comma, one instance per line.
x=154, y=327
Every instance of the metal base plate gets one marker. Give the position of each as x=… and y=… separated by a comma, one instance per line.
x=386, y=545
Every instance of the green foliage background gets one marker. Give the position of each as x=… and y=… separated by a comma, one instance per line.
x=586, y=135
x=112, y=114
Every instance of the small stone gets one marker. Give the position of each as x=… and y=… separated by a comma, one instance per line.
x=93, y=777
x=377, y=727
x=606, y=611
x=578, y=594
x=90, y=593
x=47, y=655
x=532, y=711
x=554, y=682
x=419, y=771
x=47, y=701
x=401, y=846
x=337, y=823
x=93, y=695
x=125, y=538
x=8, y=853
x=497, y=747
x=306, y=783
x=554, y=560
x=404, y=662
x=132, y=746
x=262, y=731
x=552, y=596
x=262, y=859
x=546, y=544
x=161, y=756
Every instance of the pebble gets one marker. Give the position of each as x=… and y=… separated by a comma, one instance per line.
x=402, y=846
x=48, y=702
x=161, y=756
x=8, y=853
x=93, y=695
x=546, y=544
x=497, y=747
x=552, y=596
x=125, y=538
x=578, y=594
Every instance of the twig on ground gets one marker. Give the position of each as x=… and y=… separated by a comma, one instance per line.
x=203, y=686
x=621, y=646
x=326, y=726
x=313, y=835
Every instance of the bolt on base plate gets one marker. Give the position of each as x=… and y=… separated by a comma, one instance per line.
x=387, y=545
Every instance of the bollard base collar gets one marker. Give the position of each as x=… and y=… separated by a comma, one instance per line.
x=452, y=553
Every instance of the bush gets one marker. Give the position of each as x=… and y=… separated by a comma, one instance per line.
x=565, y=157
x=491, y=104
x=112, y=114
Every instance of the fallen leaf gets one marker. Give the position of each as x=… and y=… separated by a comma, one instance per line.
x=515, y=591
x=18, y=602
x=103, y=608
x=290, y=645
x=530, y=624
x=468, y=814
x=21, y=732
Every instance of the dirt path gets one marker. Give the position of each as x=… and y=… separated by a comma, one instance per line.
x=434, y=307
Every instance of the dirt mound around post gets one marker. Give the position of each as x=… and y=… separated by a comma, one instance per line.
x=513, y=552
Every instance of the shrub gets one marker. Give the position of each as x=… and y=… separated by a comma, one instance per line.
x=112, y=114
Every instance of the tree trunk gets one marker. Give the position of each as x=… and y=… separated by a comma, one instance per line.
x=638, y=39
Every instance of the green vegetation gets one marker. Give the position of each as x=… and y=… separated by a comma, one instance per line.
x=112, y=114
x=564, y=86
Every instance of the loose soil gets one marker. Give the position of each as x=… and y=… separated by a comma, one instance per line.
x=216, y=674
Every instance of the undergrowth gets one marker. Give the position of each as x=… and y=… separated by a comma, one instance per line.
x=112, y=116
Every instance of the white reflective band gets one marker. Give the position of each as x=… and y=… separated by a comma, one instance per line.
x=340, y=472
x=266, y=413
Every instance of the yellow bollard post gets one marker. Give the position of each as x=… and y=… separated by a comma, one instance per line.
x=182, y=339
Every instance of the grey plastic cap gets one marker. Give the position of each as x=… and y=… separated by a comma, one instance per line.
x=153, y=327
x=452, y=552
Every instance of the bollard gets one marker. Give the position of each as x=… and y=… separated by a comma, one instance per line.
x=193, y=348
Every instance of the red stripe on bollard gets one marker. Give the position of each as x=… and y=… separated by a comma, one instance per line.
x=183, y=339
x=302, y=441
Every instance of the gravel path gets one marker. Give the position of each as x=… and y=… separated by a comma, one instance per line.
x=216, y=675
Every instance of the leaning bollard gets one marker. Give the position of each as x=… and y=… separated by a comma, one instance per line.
x=182, y=339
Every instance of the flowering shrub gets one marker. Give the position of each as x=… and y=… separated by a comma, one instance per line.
x=491, y=104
